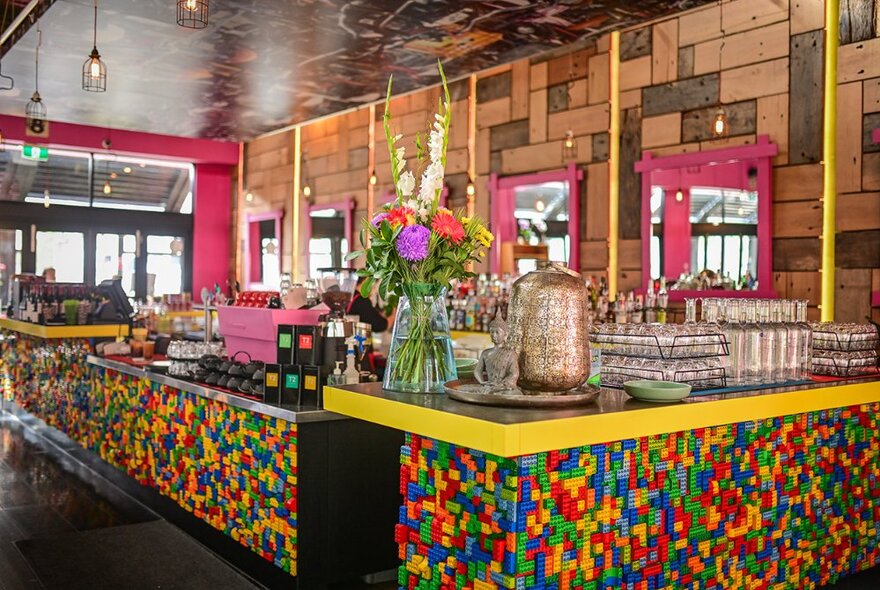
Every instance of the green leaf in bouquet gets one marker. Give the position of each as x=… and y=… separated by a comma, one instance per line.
x=353, y=255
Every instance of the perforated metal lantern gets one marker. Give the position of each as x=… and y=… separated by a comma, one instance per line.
x=192, y=14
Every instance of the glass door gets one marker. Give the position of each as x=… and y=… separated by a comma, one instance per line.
x=164, y=265
x=115, y=258
x=65, y=252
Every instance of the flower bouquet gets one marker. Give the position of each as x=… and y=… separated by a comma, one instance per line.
x=416, y=248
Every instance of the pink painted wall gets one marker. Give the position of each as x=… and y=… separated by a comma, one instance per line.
x=124, y=142
x=676, y=233
x=212, y=226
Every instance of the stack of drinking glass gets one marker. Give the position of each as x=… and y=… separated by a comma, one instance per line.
x=844, y=350
x=770, y=341
x=685, y=353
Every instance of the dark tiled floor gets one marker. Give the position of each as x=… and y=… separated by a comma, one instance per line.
x=51, y=488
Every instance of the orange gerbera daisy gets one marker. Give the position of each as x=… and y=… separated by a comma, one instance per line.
x=447, y=226
x=401, y=216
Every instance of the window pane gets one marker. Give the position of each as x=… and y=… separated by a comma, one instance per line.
x=731, y=257
x=164, y=274
x=130, y=183
x=63, y=251
x=7, y=263
x=110, y=262
x=65, y=175
x=713, y=254
x=129, y=243
x=655, y=257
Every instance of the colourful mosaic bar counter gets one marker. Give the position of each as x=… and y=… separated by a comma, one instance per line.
x=769, y=489
x=260, y=474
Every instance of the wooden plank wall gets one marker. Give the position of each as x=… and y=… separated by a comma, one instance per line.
x=673, y=74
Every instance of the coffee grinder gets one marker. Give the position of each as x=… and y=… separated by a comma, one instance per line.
x=336, y=287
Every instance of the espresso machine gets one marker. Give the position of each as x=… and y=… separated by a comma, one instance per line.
x=336, y=287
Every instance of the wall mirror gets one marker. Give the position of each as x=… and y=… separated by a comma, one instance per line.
x=263, y=247
x=535, y=217
x=706, y=220
x=329, y=235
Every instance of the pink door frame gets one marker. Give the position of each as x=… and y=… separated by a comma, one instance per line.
x=875, y=296
x=498, y=202
x=346, y=207
x=249, y=260
x=761, y=152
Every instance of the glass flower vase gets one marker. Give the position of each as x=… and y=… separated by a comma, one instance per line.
x=420, y=359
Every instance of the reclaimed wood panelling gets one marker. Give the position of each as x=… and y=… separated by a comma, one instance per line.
x=594, y=255
x=870, y=123
x=635, y=43
x=674, y=150
x=727, y=142
x=538, y=116
x=661, y=130
x=493, y=112
x=630, y=212
x=857, y=249
x=684, y=95
x=806, y=15
x=796, y=253
x=871, y=95
x=598, y=80
x=630, y=254
x=494, y=87
x=852, y=296
x=597, y=201
x=741, y=15
x=699, y=25
x=458, y=130
x=757, y=45
x=578, y=94
x=583, y=121
x=752, y=81
x=519, y=90
x=859, y=61
x=635, y=73
x=772, y=114
x=510, y=135
x=484, y=144
x=798, y=285
x=557, y=98
x=697, y=125
x=707, y=57
x=630, y=99
x=849, y=137
x=858, y=20
x=532, y=158
x=797, y=219
x=664, y=66
x=805, y=106
x=686, y=62
x=538, y=76
x=599, y=142
x=858, y=211
x=871, y=172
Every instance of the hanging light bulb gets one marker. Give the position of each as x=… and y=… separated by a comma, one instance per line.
x=192, y=14
x=720, y=127
x=569, y=146
x=127, y=169
x=108, y=190
x=307, y=191
x=94, y=72
x=249, y=197
x=679, y=196
x=471, y=189
x=113, y=176
x=539, y=205
x=46, y=200
x=373, y=179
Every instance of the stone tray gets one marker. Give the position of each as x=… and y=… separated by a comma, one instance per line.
x=471, y=392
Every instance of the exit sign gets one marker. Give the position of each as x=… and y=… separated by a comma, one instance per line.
x=35, y=152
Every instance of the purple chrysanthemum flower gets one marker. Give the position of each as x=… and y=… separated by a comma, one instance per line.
x=378, y=219
x=412, y=243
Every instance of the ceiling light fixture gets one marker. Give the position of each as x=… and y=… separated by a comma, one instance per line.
x=114, y=176
x=471, y=189
x=679, y=196
x=35, y=112
x=127, y=169
x=46, y=199
x=249, y=197
x=373, y=179
x=307, y=191
x=539, y=205
x=108, y=190
x=94, y=72
x=720, y=126
x=569, y=146
x=192, y=14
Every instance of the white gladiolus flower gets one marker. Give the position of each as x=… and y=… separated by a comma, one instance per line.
x=406, y=184
x=401, y=161
x=398, y=137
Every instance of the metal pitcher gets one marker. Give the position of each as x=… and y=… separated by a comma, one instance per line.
x=548, y=326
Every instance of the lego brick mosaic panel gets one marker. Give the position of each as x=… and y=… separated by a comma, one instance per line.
x=789, y=502
x=232, y=468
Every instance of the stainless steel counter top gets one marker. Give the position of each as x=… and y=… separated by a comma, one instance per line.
x=284, y=413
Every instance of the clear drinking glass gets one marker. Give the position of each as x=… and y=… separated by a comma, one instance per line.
x=784, y=364
x=769, y=349
x=690, y=310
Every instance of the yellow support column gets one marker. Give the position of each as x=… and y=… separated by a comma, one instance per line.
x=829, y=156
x=613, y=167
x=297, y=180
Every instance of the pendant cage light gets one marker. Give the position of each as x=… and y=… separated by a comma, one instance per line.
x=94, y=72
x=35, y=112
x=192, y=14
x=720, y=126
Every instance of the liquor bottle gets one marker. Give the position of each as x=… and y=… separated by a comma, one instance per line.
x=662, y=301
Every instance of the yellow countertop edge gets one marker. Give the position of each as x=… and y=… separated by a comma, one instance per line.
x=527, y=438
x=49, y=332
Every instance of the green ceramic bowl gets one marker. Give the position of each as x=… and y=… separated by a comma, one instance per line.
x=657, y=391
x=465, y=367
